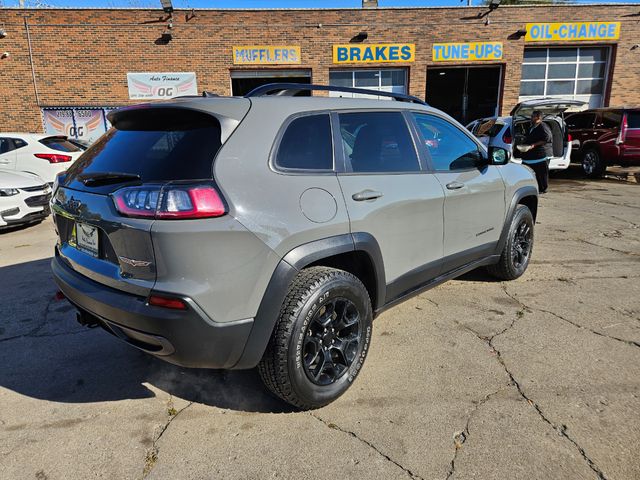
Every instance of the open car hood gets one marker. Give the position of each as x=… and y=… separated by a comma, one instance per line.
x=548, y=106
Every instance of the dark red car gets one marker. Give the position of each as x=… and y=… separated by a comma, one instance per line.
x=603, y=137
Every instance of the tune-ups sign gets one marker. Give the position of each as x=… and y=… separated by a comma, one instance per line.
x=467, y=52
x=156, y=86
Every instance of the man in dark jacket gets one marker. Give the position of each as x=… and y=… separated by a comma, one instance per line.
x=537, y=149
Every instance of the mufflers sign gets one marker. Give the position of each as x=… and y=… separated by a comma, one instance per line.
x=566, y=32
x=466, y=52
x=380, y=53
x=266, y=55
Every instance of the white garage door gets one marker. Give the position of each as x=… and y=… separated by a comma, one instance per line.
x=575, y=73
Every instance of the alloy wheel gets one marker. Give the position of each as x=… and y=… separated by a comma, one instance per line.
x=589, y=162
x=331, y=341
x=521, y=244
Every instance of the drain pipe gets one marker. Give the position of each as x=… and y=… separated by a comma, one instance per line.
x=33, y=71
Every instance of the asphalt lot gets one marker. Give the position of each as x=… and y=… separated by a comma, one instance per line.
x=537, y=378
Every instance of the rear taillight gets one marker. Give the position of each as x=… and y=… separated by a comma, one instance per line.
x=622, y=136
x=169, y=202
x=506, y=136
x=569, y=138
x=53, y=157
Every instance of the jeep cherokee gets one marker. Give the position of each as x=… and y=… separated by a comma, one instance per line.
x=270, y=230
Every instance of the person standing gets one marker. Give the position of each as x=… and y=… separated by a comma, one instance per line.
x=537, y=149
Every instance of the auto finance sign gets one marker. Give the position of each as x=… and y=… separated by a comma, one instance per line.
x=380, y=53
x=157, y=86
x=81, y=123
x=467, y=52
x=570, y=32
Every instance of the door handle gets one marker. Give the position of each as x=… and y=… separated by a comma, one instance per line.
x=454, y=185
x=366, y=195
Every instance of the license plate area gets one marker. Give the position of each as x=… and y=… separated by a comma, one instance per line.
x=87, y=238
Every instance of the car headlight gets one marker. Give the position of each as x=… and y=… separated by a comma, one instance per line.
x=8, y=192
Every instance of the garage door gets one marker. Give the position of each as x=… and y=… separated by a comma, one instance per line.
x=574, y=73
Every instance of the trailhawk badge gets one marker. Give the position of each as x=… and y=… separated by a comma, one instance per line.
x=134, y=263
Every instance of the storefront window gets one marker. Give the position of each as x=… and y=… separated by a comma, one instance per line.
x=393, y=80
x=574, y=73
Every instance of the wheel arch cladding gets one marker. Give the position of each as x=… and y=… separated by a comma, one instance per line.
x=527, y=196
x=358, y=254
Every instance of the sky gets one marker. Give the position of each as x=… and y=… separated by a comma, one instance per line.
x=257, y=3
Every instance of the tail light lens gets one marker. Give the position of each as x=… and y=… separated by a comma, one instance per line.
x=53, y=157
x=569, y=138
x=169, y=201
x=623, y=130
x=506, y=136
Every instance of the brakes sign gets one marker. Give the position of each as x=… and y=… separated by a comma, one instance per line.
x=381, y=53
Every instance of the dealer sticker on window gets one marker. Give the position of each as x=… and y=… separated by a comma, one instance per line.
x=87, y=238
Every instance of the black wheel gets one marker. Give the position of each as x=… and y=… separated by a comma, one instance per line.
x=321, y=339
x=516, y=254
x=592, y=164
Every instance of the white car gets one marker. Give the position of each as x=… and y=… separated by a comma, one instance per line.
x=42, y=155
x=24, y=198
x=499, y=131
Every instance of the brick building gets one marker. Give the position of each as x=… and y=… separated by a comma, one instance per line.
x=63, y=66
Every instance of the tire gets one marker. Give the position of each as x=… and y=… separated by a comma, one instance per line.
x=592, y=164
x=304, y=363
x=516, y=254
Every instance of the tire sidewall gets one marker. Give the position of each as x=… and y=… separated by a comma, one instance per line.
x=597, y=168
x=339, y=286
x=522, y=213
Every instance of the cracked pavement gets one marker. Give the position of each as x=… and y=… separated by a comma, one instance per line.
x=536, y=378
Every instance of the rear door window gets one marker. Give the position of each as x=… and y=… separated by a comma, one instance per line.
x=6, y=145
x=633, y=119
x=306, y=144
x=60, y=144
x=610, y=119
x=377, y=142
x=579, y=121
x=156, y=144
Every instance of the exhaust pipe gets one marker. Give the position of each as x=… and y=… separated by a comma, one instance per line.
x=87, y=320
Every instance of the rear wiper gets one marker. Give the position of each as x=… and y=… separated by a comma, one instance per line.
x=106, y=178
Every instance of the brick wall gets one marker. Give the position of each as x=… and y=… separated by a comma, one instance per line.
x=81, y=57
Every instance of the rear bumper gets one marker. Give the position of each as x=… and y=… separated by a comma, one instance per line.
x=187, y=338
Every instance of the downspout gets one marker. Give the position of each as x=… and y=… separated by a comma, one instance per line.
x=33, y=71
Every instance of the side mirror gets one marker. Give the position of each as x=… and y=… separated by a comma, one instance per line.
x=499, y=156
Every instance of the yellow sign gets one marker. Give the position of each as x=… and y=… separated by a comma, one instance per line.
x=266, y=55
x=380, y=53
x=570, y=32
x=466, y=52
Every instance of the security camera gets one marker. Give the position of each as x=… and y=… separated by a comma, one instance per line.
x=3, y=33
x=5, y=55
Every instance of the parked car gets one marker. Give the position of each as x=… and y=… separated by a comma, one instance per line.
x=270, y=230
x=605, y=136
x=24, y=198
x=500, y=131
x=42, y=155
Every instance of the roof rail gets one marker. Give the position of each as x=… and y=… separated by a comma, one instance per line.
x=289, y=89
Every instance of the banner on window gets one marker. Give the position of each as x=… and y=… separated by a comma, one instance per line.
x=86, y=124
x=157, y=86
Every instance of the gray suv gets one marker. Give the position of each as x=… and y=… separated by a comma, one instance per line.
x=270, y=230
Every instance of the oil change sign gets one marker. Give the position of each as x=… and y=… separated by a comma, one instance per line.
x=266, y=55
x=466, y=52
x=155, y=86
x=570, y=32
x=380, y=53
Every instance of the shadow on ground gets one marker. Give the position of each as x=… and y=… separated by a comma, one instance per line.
x=45, y=354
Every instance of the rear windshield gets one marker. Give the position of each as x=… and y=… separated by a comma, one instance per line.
x=489, y=128
x=633, y=119
x=60, y=144
x=157, y=145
